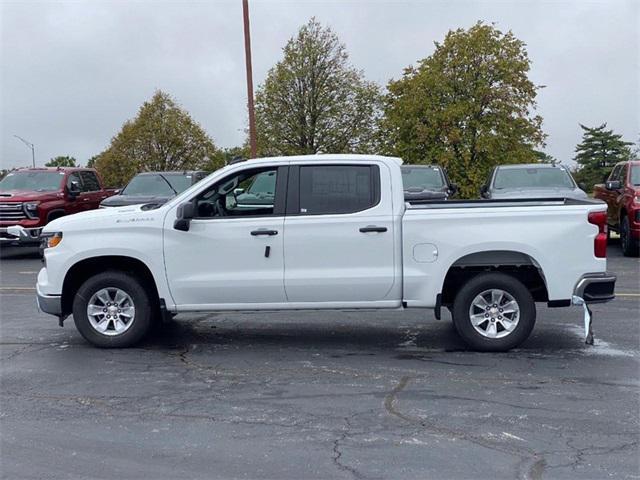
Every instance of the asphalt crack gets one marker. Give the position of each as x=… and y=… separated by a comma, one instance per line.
x=531, y=466
x=337, y=453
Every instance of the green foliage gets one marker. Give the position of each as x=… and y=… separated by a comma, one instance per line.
x=467, y=107
x=314, y=101
x=543, y=157
x=162, y=137
x=225, y=156
x=91, y=163
x=597, y=153
x=61, y=161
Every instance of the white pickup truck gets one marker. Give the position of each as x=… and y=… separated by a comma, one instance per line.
x=336, y=233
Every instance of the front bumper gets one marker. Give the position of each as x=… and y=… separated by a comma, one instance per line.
x=596, y=287
x=18, y=235
x=51, y=304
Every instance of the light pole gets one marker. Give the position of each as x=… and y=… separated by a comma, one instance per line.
x=29, y=144
x=247, y=55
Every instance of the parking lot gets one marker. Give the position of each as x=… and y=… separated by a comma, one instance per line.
x=319, y=395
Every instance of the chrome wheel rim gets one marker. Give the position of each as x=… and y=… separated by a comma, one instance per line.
x=111, y=311
x=494, y=313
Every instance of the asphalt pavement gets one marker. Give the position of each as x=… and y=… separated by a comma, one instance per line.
x=318, y=395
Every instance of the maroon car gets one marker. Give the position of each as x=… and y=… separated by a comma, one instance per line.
x=32, y=197
x=621, y=191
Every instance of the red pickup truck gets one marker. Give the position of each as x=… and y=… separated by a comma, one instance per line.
x=621, y=191
x=32, y=197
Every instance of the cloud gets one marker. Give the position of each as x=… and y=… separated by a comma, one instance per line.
x=73, y=72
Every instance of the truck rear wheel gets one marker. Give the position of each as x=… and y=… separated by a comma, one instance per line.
x=494, y=312
x=112, y=310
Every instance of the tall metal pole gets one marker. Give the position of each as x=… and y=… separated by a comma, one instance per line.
x=247, y=54
x=30, y=145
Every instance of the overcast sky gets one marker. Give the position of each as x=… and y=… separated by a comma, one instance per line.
x=73, y=72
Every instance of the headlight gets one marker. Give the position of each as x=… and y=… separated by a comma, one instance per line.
x=32, y=209
x=50, y=240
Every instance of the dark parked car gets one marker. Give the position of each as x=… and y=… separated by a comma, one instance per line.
x=535, y=180
x=426, y=182
x=154, y=187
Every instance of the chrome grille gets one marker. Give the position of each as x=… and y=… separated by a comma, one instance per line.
x=11, y=212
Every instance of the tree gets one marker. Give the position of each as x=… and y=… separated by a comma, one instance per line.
x=314, y=101
x=91, y=163
x=61, y=161
x=543, y=157
x=599, y=150
x=467, y=107
x=162, y=137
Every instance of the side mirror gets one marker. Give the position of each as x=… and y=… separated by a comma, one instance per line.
x=117, y=191
x=582, y=186
x=185, y=213
x=238, y=191
x=74, y=189
x=484, y=190
x=453, y=189
x=613, y=185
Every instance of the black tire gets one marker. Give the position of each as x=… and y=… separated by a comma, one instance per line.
x=630, y=247
x=482, y=283
x=127, y=283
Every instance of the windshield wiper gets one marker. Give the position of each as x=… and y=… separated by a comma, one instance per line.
x=170, y=186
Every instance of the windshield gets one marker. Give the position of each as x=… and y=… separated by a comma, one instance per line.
x=533, y=178
x=424, y=178
x=32, y=181
x=635, y=175
x=164, y=185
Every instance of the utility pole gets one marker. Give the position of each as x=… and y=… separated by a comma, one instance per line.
x=247, y=54
x=30, y=145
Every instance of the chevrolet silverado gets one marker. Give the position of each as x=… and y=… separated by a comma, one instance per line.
x=338, y=235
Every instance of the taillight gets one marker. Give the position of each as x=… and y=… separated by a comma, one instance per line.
x=600, y=242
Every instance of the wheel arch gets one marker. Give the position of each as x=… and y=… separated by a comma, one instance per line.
x=83, y=269
x=517, y=264
x=55, y=214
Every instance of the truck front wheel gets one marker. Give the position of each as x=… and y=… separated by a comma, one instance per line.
x=630, y=247
x=494, y=312
x=112, y=309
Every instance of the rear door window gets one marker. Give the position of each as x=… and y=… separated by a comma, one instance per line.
x=338, y=189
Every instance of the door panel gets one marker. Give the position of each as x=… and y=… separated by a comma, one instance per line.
x=232, y=253
x=328, y=259
x=339, y=234
x=220, y=262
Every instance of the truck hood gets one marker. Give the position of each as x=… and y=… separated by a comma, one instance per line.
x=117, y=217
x=122, y=200
x=538, y=193
x=28, y=195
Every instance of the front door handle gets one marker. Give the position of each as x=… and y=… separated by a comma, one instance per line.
x=373, y=228
x=256, y=233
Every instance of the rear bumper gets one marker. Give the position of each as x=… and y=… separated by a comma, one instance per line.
x=17, y=235
x=51, y=304
x=596, y=287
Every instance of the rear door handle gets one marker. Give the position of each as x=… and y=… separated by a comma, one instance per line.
x=256, y=233
x=373, y=228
